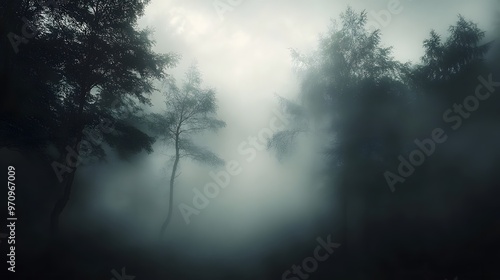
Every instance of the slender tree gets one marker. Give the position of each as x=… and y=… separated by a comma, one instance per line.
x=190, y=109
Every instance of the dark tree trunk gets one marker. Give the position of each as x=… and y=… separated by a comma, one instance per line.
x=61, y=203
x=172, y=179
x=68, y=181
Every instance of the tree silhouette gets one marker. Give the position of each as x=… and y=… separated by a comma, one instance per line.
x=104, y=59
x=88, y=63
x=443, y=60
x=373, y=108
x=190, y=109
x=28, y=107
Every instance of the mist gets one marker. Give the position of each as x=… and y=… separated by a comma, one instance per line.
x=250, y=139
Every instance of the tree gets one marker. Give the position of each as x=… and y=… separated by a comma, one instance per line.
x=354, y=95
x=28, y=106
x=350, y=69
x=444, y=60
x=375, y=108
x=105, y=60
x=190, y=109
x=93, y=64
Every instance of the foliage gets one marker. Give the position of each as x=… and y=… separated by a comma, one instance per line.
x=190, y=110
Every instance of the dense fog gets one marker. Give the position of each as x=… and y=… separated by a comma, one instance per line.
x=250, y=139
